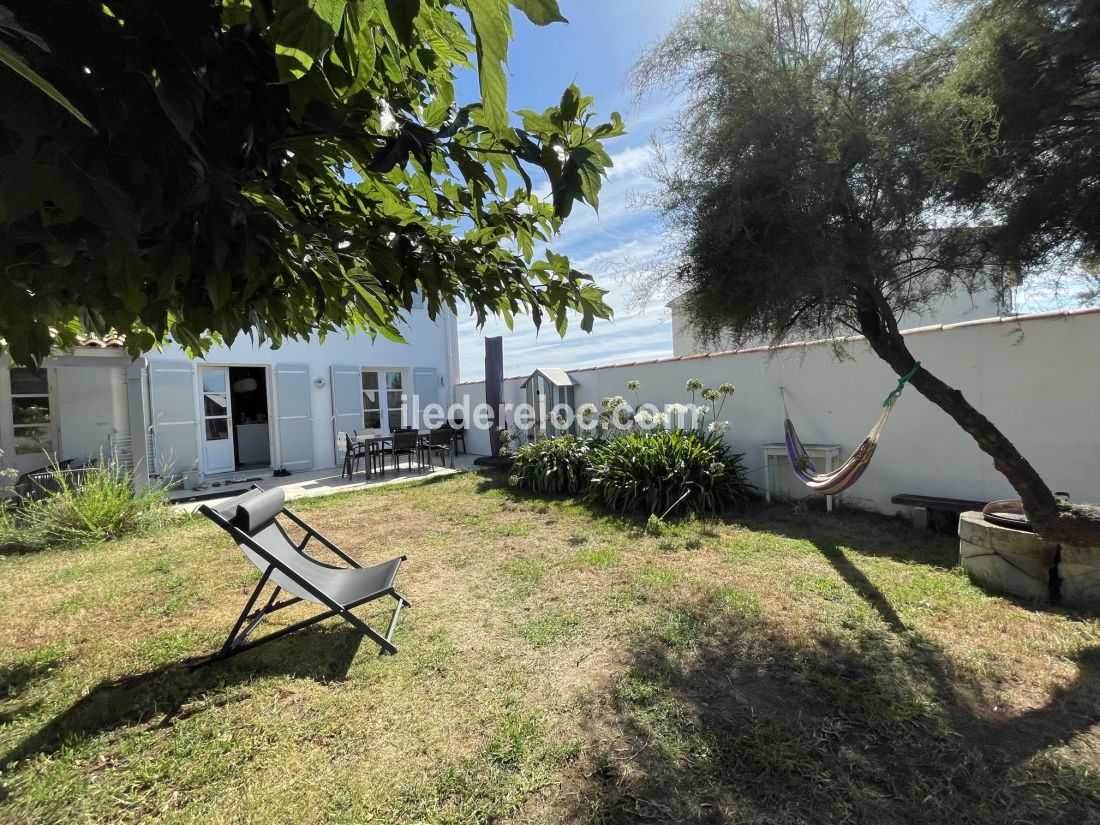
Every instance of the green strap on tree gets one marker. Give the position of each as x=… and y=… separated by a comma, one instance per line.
x=901, y=384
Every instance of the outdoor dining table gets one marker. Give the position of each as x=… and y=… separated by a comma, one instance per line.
x=383, y=441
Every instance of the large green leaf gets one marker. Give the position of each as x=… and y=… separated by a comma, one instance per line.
x=14, y=62
x=402, y=14
x=540, y=12
x=492, y=31
x=30, y=187
x=304, y=31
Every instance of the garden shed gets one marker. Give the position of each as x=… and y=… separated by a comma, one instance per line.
x=547, y=388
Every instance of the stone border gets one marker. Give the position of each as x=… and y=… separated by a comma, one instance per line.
x=1027, y=566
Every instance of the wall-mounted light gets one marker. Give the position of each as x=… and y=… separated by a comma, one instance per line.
x=319, y=383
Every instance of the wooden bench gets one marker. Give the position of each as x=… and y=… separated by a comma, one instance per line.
x=923, y=504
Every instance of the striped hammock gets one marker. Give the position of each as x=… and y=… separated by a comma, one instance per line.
x=848, y=473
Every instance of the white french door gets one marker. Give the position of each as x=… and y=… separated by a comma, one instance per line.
x=217, y=421
x=384, y=399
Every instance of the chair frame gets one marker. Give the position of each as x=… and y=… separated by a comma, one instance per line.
x=430, y=447
x=395, y=454
x=374, y=450
x=459, y=428
x=354, y=451
x=249, y=619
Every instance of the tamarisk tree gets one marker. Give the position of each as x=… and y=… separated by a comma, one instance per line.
x=818, y=150
x=1038, y=62
x=196, y=169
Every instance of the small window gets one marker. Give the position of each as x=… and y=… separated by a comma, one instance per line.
x=372, y=401
x=395, y=402
x=30, y=411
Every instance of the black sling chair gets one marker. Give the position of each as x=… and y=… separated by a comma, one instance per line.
x=250, y=519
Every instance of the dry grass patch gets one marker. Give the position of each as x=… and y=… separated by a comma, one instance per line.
x=556, y=666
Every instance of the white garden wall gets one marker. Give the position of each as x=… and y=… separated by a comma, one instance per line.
x=955, y=307
x=1036, y=377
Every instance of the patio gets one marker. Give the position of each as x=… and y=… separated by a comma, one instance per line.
x=313, y=483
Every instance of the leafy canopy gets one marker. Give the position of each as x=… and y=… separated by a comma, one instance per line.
x=288, y=166
x=814, y=152
x=1038, y=62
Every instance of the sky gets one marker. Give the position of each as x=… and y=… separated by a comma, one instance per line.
x=595, y=50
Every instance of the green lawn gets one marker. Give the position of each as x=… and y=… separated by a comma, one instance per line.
x=781, y=666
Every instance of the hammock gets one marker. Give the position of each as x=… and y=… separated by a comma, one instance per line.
x=848, y=473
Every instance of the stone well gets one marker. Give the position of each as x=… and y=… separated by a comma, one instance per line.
x=1022, y=564
x=1079, y=576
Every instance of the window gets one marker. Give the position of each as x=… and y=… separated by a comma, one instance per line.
x=384, y=399
x=395, y=403
x=372, y=401
x=215, y=405
x=30, y=412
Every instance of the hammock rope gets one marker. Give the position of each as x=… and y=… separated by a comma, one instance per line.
x=848, y=473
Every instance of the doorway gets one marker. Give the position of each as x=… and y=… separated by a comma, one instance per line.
x=235, y=430
x=251, y=425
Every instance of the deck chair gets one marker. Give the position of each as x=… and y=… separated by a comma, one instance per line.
x=250, y=519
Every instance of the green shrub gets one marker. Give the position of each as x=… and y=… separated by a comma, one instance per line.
x=103, y=505
x=552, y=465
x=8, y=524
x=666, y=472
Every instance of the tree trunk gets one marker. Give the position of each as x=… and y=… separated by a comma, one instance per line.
x=1055, y=520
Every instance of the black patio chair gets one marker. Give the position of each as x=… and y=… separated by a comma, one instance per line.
x=250, y=519
x=47, y=481
x=373, y=444
x=354, y=452
x=459, y=428
x=440, y=441
x=405, y=443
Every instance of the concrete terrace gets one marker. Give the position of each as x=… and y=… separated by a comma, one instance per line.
x=310, y=485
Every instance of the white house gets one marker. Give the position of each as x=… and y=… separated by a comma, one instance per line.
x=241, y=408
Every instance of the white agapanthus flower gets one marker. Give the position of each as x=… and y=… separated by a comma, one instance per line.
x=694, y=385
x=719, y=427
x=633, y=385
x=621, y=418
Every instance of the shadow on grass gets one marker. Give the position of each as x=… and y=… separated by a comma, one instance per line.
x=755, y=726
x=14, y=680
x=871, y=534
x=158, y=696
x=855, y=579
